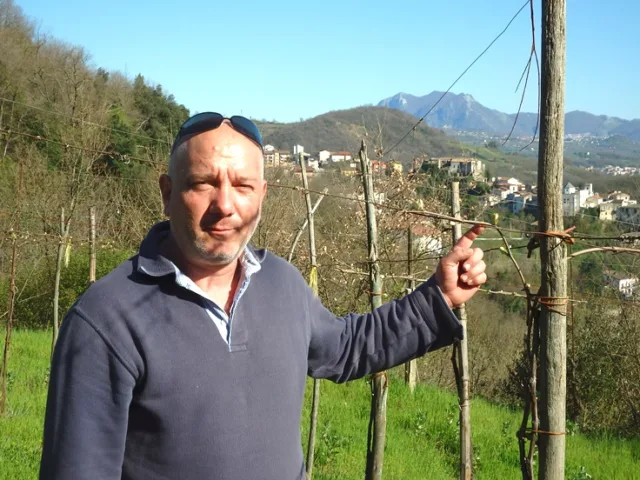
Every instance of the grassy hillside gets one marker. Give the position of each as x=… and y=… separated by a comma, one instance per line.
x=344, y=129
x=422, y=430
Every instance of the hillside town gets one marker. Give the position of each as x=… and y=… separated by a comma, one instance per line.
x=505, y=192
x=615, y=170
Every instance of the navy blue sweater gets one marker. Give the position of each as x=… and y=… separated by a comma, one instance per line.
x=143, y=386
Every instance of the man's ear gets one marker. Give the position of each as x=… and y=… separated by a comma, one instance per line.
x=165, y=191
x=264, y=189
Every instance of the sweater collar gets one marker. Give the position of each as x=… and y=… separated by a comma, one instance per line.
x=151, y=262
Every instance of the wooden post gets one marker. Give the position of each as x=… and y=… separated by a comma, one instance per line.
x=7, y=339
x=411, y=367
x=380, y=381
x=304, y=225
x=553, y=282
x=4, y=368
x=56, y=284
x=460, y=359
x=92, y=243
x=313, y=281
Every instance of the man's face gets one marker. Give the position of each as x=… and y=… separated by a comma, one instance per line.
x=214, y=196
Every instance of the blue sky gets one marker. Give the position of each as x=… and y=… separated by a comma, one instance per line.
x=288, y=60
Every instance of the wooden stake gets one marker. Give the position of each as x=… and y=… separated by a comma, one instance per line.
x=92, y=242
x=380, y=383
x=4, y=368
x=411, y=367
x=56, y=284
x=313, y=281
x=304, y=225
x=7, y=339
x=460, y=359
x=553, y=328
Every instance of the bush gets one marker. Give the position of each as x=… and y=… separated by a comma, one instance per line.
x=603, y=361
x=33, y=308
x=603, y=391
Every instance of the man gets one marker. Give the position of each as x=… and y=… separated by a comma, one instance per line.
x=189, y=360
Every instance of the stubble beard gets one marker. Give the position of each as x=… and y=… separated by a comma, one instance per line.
x=221, y=258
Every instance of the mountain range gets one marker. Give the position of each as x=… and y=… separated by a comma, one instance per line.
x=463, y=112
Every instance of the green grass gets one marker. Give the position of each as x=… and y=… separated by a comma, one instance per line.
x=21, y=427
x=422, y=431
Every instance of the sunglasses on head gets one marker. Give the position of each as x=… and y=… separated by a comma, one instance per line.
x=206, y=121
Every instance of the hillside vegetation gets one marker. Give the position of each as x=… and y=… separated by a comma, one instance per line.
x=344, y=130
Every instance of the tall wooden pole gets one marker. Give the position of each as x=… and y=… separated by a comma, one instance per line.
x=313, y=281
x=461, y=359
x=92, y=242
x=411, y=367
x=553, y=284
x=380, y=381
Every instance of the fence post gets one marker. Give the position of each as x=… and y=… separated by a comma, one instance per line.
x=380, y=381
x=313, y=281
x=460, y=358
x=411, y=367
x=553, y=285
x=92, y=244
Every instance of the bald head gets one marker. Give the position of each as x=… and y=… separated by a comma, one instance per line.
x=213, y=196
x=224, y=142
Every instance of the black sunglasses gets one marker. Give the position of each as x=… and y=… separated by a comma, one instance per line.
x=202, y=122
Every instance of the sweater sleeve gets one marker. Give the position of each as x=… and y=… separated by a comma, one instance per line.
x=90, y=390
x=353, y=346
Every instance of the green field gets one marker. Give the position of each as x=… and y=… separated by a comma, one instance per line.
x=421, y=432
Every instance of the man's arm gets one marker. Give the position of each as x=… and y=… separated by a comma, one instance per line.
x=90, y=390
x=353, y=346
x=346, y=348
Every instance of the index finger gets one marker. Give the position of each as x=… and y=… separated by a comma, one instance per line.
x=470, y=235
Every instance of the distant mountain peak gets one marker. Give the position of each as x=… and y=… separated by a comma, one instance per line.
x=463, y=112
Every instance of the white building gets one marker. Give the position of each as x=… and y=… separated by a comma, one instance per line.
x=340, y=157
x=573, y=198
x=298, y=149
x=621, y=282
x=323, y=155
x=427, y=239
x=511, y=185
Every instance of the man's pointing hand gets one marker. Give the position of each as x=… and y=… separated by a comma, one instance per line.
x=462, y=271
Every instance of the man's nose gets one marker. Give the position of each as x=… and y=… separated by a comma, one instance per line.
x=222, y=202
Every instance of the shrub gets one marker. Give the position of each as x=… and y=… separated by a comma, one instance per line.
x=33, y=308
